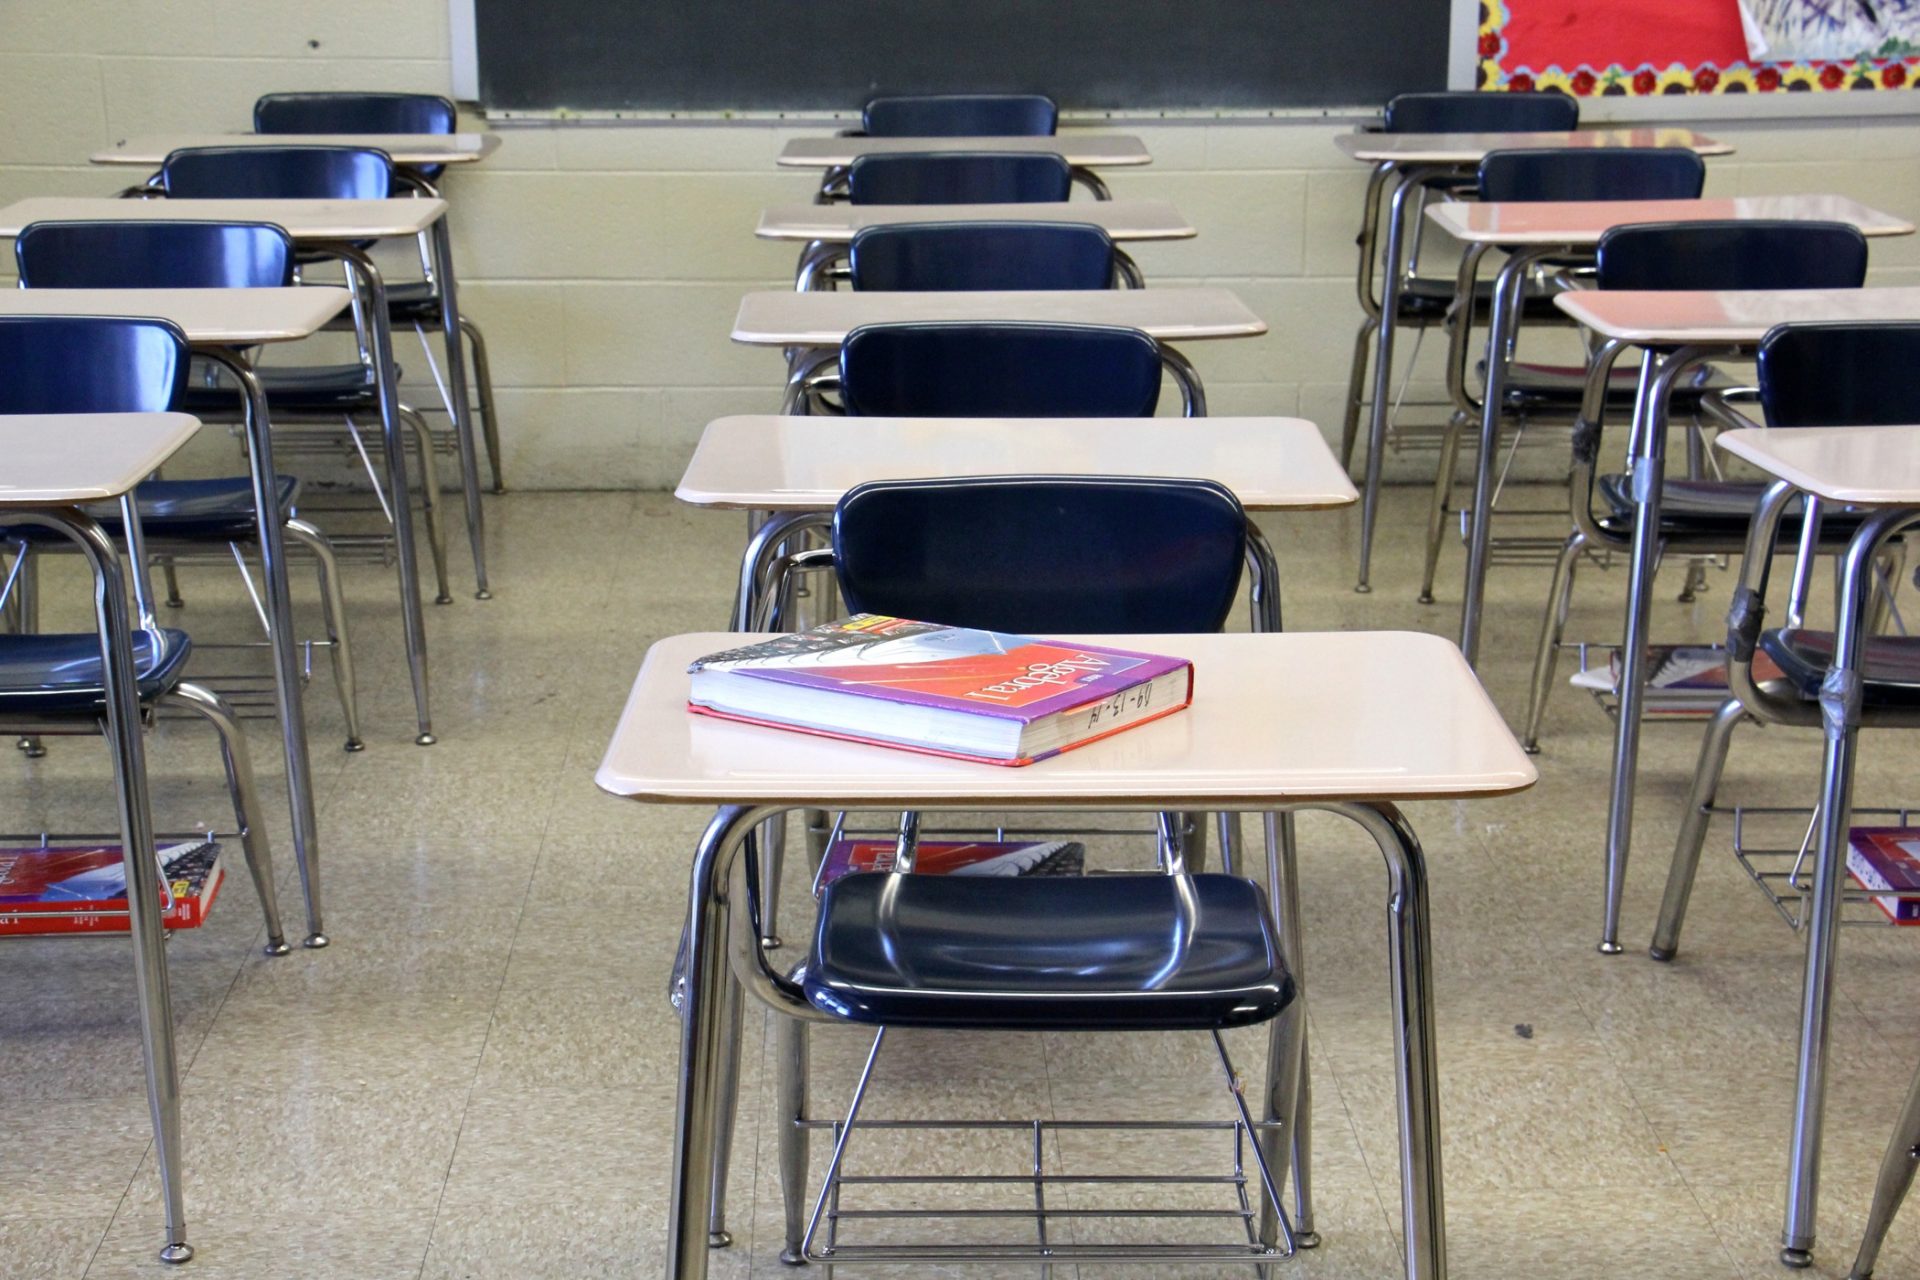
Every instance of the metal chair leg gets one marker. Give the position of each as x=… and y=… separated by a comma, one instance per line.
x=790, y=1113
x=247, y=811
x=1553, y=629
x=172, y=578
x=1443, y=477
x=26, y=602
x=483, y=390
x=334, y=609
x=1356, y=391
x=1693, y=828
x=1890, y=1188
x=430, y=499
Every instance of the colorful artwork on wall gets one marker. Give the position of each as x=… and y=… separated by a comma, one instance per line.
x=1644, y=48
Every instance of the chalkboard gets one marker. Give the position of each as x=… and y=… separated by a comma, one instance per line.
x=815, y=55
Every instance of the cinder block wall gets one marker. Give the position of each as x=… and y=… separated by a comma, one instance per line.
x=605, y=262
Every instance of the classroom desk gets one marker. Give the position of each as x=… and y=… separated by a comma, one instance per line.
x=796, y=468
x=1083, y=150
x=218, y=322
x=335, y=227
x=1414, y=724
x=409, y=150
x=1877, y=468
x=1530, y=232
x=1678, y=331
x=827, y=229
x=813, y=325
x=1403, y=165
x=55, y=463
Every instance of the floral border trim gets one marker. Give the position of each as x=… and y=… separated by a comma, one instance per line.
x=1648, y=80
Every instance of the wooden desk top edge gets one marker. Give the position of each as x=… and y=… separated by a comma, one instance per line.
x=106, y=453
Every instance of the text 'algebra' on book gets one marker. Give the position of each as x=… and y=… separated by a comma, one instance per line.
x=979, y=695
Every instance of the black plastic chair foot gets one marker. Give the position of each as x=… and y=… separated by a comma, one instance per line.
x=1662, y=954
x=719, y=1239
x=1609, y=948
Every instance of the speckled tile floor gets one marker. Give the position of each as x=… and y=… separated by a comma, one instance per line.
x=476, y=1079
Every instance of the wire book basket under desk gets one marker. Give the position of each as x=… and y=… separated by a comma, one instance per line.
x=1773, y=845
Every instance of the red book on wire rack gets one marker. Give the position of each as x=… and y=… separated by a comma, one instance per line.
x=980, y=695
x=83, y=889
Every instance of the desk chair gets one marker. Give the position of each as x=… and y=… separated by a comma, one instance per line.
x=1425, y=300
x=959, y=177
x=318, y=394
x=1536, y=392
x=960, y=115
x=929, y=257
x=414, y=302
x=186, y=517
x=55, y=683
x=1179, y=950
x=1811, y=375
x=1700, y=516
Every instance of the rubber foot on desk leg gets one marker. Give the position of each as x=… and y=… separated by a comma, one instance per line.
x=1424, y=598
x=1362, y=589
x=719, y=1239
x=443, y=599
x=177, y=1254
x=1798, y=1259
x=1609, y=948
x=31, y=749
x=1662, y=954
x=1531, y=748
x=315, y=941
x=355, y=744
x=483, y=594
x=771, y=942
x=426, y=739
x=1306, y=1239
x=277, y=947
x=499, y=488
x=790, y=1258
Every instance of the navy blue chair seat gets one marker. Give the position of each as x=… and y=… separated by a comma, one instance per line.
x=1709, y=507
x=1890, y=666
x=319, y=388
x=60, y=675
x=196, y=509
x=1099, y=953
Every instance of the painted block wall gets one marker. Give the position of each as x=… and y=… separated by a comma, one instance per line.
x=605, y=263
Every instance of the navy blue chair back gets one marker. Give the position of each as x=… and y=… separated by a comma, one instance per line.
x=1467, y=111
x=961, y=115
x=153, y=255
x=959, y=177
x=999, y=370
x=90, y=364
x=353, y=113
x=1761, y=254
x=926, y=257
x=1842, y=374
x=1043, y=555
x=292, y=172
x=1593, y=173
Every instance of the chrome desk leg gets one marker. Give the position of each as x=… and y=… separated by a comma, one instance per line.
x=1405, y=184
x=1356, y=390
x=1193, y=396
x=1410, y=949
x=790, y=1110
x=814, y=261
x=732, y=1025
x=373, y=288
x=1289, y=1097
x=1091, y=181
x=462, y=410
x=1840, y=722
x=704, y=1046
x=1647, y=458
x=756, y=562
x=270, y=521
x=1509, y=290
x=483, y=386
x=1369, y=244
x=1890, y=1188
x=1443, y=476
x=1693, y=828
x=137, y=847
x=339, y=647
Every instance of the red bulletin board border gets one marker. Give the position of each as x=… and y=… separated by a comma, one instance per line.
x=1647, y=48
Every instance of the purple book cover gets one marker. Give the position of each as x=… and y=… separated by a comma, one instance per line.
x=984, y=673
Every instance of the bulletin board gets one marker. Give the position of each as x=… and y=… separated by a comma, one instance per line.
x=1650, y=48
